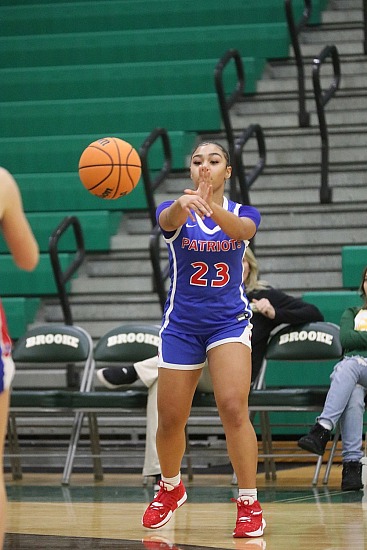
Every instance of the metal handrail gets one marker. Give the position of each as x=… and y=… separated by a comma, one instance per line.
x=149, y=184
x=226, y=101
x=322, y=98
x=62, y=277
x=159, y=275
x=246, y=179
x=365, y=26
x=294, y=31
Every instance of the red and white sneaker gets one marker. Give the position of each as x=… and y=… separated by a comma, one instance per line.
x=250, y=521
x=165, y=502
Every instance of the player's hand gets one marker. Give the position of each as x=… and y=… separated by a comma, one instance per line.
x=264, y=307
x=204, y=187
x=194, y=203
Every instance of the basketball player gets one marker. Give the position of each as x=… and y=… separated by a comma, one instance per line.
x=206, y=316
x=24, y=249
x=270, y=306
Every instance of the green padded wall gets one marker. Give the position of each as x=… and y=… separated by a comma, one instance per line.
x=354, y=261
x=333, y=303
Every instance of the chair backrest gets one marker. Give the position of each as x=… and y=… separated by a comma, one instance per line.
x=128, y=343
x=50, y=346
x=318, y=341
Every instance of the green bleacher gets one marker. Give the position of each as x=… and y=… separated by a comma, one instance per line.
x=39, y=282
x=184, y=76
x=142, y=45
x=97, y=227
x=65, y=190
x=106, y=116
x=90, y=16
x=58, y=153
x=74, y=72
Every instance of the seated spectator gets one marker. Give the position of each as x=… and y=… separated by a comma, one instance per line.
x=271, y=307
x=345, y=398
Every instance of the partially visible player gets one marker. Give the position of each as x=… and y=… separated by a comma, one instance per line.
x=206, y=316
x=24, y=249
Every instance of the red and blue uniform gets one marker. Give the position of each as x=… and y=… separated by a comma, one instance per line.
x=6, y=362
x=206, y=303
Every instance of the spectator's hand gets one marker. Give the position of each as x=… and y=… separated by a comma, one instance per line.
x=264, y=307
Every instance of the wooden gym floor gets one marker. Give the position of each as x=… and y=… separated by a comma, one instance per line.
x=106, y=515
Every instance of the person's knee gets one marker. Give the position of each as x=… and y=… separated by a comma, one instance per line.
x=172, y=422
x=233, y=412
x=345, y=371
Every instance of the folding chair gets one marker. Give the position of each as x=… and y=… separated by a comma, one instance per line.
x=336, y=437
x=127, y=343
x=51, y=350
x=310, y=343
x=124, y=345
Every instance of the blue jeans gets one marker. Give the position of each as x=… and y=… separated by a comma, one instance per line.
x=345, y=402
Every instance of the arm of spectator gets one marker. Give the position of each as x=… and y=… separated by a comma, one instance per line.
x=350, y=338
x=283, y=308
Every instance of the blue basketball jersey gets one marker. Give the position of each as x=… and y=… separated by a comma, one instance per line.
x=207, y=291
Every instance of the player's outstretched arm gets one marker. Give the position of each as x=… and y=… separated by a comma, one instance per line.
x=177, y=213
x=16, y=229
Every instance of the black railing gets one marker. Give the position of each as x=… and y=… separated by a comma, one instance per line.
x=226, y=101
x=150, y=184
x=365, y=26
x=294, y=31
x=322, y=98
x=160, y=274
x=246, y=178
x=63, y=277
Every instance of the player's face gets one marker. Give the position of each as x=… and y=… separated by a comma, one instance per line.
x=212, y=158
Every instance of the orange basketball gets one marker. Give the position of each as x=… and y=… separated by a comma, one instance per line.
x=109, y=168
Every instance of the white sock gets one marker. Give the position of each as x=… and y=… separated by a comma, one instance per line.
x=326, y=424
x=172, y=481
x=248, y=494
